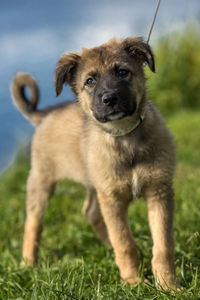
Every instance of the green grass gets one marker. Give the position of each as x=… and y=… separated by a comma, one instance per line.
x=73, y=263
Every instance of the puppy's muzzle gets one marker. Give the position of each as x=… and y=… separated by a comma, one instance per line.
x=112, y=105
x=110, y=99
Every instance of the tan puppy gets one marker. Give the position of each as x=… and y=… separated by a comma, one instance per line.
x=114, y=141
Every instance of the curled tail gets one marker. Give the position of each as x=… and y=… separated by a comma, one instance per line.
x=28, y=107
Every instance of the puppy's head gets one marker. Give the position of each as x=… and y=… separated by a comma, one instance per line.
x=108, y=80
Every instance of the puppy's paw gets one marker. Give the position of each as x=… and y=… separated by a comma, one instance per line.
x=168, y=283
x=133, y=281
x=27, y=262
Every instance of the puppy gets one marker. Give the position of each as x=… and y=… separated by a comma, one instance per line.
x=112, y=140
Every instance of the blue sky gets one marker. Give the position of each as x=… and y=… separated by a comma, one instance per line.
x=33, y=34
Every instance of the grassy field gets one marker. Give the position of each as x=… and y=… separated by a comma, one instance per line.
x=73, y=263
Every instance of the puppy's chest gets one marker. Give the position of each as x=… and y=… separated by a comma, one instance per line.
x=117, y=167
x=129, y=172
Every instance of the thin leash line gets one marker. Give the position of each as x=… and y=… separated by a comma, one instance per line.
x=154, y=18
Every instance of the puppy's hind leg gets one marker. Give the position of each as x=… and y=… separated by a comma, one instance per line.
x=39, y=189
x=92, y=212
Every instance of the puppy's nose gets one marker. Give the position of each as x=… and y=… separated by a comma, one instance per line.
x=109, y=99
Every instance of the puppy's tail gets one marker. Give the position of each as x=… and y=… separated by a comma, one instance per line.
x=28, y=107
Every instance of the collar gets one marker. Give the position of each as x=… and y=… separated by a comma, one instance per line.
x=124, y=131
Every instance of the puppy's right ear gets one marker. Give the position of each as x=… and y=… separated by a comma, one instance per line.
x=65, y=71
x=137, y=48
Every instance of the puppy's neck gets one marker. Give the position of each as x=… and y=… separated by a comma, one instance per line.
x=127, y=127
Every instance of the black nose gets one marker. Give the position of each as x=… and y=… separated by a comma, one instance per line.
x=109, y=99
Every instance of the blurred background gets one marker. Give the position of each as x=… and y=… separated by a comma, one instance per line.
x=33, y=35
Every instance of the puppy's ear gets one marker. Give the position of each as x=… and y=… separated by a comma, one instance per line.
x=65, y=71
x=142, y=51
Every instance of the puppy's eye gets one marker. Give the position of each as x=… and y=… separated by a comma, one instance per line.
x=122, y=73
x=90, y=82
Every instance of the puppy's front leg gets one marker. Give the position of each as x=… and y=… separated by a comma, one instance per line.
x=160, y=203
x=115, y=212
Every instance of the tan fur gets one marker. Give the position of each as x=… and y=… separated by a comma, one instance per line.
x=70, y=143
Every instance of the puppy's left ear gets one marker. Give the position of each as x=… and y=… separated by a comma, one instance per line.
x=65, y=71
x=137, y=48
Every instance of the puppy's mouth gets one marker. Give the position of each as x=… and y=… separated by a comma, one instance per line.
x=114, y=116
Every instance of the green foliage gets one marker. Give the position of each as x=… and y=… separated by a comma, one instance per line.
x=176, y=83
x=73, y=263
